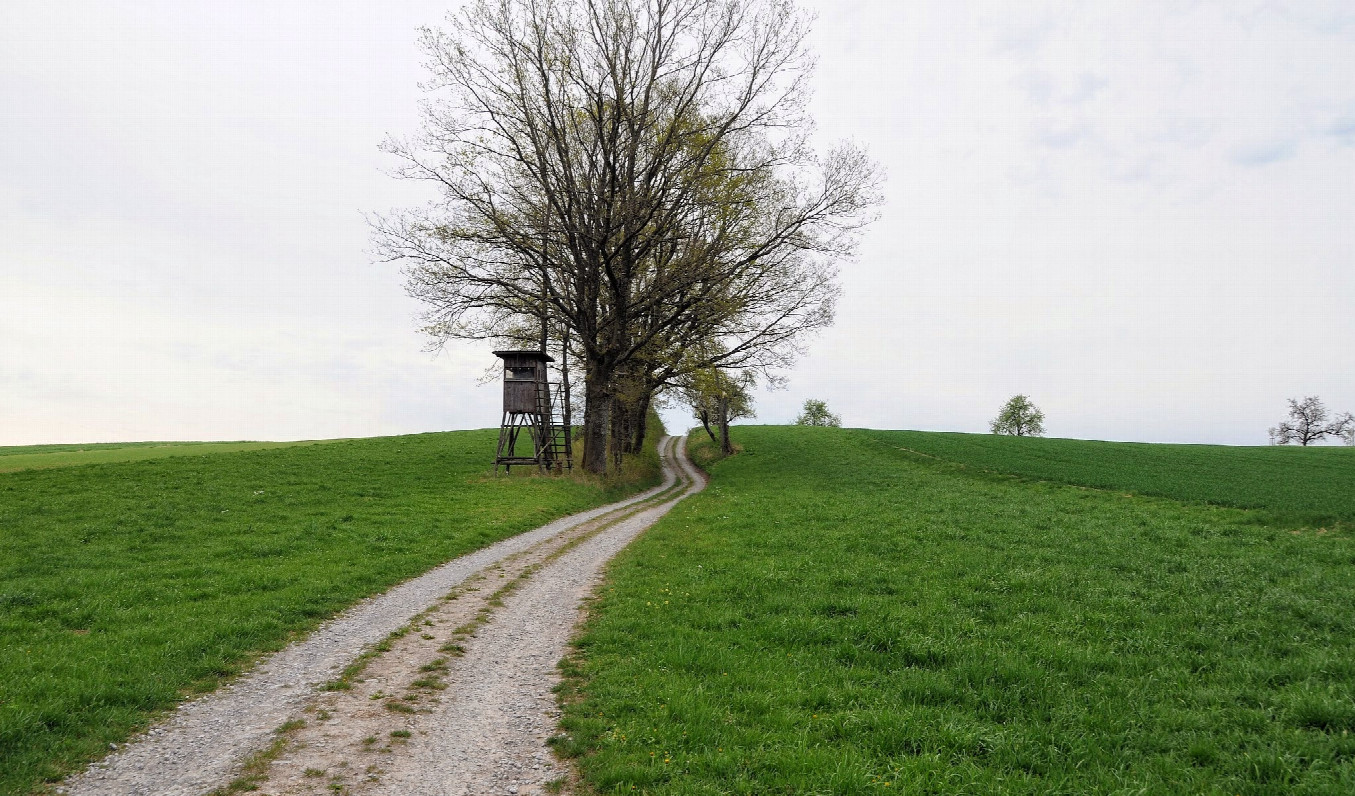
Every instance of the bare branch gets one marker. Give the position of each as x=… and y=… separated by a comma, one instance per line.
x=643, y=165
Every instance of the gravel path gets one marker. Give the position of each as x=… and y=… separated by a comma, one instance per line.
x=488, y=728
x=490, y=734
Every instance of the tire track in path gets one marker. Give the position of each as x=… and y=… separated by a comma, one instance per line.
x=204, y=743
x=489, y=735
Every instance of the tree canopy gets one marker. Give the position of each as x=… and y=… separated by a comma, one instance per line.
x=1308, y=423
x=634, y=177
x=815, y=413
x=715, y=396
x=1019, y=418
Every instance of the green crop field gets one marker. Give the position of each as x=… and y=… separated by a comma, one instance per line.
x=12, y=450
x=126, y=587
x=35, y=457
x=1285, y=484
x=836, y=615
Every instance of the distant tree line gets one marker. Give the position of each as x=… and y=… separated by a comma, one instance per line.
x=1308, y=422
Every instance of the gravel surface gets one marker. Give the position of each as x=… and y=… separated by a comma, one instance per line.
x=489, y=734
x=484, y=733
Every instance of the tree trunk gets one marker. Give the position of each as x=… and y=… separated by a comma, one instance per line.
x=620, y=431
x=568, y=406
x=726, y=447
x=705, y=423
x=597, y=416
x=639, y=425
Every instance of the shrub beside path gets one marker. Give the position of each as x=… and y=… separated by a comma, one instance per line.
x=459, y=701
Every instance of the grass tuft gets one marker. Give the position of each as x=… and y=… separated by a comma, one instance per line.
x=255, y=768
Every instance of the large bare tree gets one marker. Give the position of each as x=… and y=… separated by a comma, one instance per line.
x=1308, y=423
x=638, y=172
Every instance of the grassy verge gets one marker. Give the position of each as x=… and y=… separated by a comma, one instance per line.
x=1287, y=485
x=125, y=587
x=702, y=450
x=833, y=615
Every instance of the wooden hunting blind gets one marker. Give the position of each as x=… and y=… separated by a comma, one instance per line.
x=530, y=404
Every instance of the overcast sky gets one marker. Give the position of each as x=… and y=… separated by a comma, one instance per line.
x=1140, y=214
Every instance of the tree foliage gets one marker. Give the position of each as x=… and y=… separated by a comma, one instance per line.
x=638, y=172
x=815, y=413
x=717, y=397
x=1308, y=423
x=1019, y=418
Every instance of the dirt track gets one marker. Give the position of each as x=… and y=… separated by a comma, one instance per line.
x=459, y=703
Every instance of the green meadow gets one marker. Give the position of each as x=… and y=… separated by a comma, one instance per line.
x=849, y=611
x=841, y=611
x=35, y=457
x=1283, y=484
x=126, y=587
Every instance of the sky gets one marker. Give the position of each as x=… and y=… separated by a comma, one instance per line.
x=1140, y=214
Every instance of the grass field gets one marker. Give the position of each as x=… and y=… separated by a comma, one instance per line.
x=19, y=450
x=1288, y=485
x=125, y=587
x=836, y=615
x=35, y=457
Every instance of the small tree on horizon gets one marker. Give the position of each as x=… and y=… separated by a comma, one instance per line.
x=816, y=414
x=1019, y=418
x=1308, y=423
